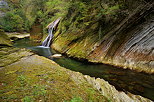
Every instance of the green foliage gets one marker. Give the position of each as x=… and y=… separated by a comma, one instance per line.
x=110, y=10
x=14, y=19
x=76, y=99
x=11, y=22
x=27, y=99
x=39, y=90
x=76, y=14
x=56, y=8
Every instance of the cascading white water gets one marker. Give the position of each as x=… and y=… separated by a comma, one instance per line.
x=51, y=27
x=48, y=39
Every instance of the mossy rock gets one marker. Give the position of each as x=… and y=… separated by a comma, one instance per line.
x=9, y=55
x=4, y=39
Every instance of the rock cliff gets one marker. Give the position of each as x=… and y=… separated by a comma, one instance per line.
x=126, y=41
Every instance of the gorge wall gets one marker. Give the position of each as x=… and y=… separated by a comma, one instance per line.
x=116, y=38
x=116, y=32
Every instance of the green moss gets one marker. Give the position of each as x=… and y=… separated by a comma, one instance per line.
x=76, y=99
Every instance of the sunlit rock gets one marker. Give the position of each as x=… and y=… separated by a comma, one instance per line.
x=56, y=56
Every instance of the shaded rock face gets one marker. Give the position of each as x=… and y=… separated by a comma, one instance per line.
x=113, y=95
x=128, y=43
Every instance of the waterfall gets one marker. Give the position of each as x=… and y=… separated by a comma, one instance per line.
x=52, y=26
x=48, y=39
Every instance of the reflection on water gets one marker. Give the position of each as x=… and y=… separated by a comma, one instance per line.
x=35, y=47
x=43, y=51
x=125, y=80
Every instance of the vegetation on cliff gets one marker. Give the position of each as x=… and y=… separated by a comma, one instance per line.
x=117, y=33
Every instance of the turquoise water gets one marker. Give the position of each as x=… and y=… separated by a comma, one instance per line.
x=123, y=79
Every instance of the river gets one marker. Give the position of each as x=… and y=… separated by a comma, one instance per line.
x=123, y=79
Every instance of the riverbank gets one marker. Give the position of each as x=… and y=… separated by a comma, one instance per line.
x=35, y=78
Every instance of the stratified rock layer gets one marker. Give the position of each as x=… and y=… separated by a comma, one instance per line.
x=128, y=44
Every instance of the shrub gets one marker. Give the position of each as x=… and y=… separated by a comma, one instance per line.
x=12, y=22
